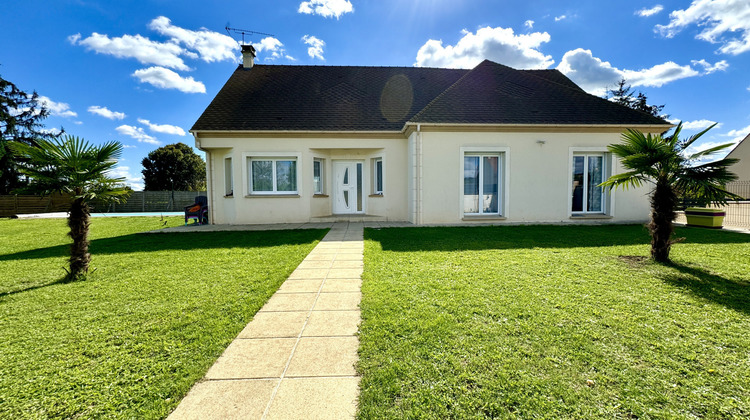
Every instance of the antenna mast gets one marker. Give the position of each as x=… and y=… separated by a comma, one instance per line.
x=243, y=32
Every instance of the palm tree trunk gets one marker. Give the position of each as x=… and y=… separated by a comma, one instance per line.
x=78, y=222
x=663, y=205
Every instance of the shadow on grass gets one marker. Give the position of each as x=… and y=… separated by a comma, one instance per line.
x=63, y=280
x=533, y=236
x=145, y=242
x=699, y=282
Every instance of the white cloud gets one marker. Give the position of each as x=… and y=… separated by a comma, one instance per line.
x=137, y=133
x=141, y=48
x=326, y=8
x=708, y=68
x=497, y=44
x=315, y=49
x=594, y=75
x=128, y=146
x=54, y=131
x=739, y=134
x=167, y=79
x=561, y=17
x=659, y=74
x=133, y=181
x=646, y=12
x=211, y=46
x=529, y=24
x=721, y=20
x=274, y=48
x=106, y=113
x=696, y=125
x=58, y=109
x=163, y=128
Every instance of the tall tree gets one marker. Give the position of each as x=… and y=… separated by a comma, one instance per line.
x=174, y=167
x=20, y=121
x=663, y=162
x=78, y=169
x=624, y=94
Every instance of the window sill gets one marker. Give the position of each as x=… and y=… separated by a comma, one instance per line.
x=272, y=196
x=483, y=218
x=320, y=195
x=229, y=196
x=590, y=216
x=376, y=195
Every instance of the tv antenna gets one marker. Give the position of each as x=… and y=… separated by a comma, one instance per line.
x=243, y=32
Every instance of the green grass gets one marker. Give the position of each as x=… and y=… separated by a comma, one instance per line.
x=554, y=322
x=130, y=341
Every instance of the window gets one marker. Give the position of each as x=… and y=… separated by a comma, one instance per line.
x=318, y=176
x=588, y=172
x=228, y=182
x=482, y=184
x=377, y=176
x=273, y=175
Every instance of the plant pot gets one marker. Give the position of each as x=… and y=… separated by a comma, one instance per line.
x=710, y=218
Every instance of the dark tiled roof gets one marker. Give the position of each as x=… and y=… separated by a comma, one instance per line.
x=496, y=94
x=324, y=98
x=340, y=98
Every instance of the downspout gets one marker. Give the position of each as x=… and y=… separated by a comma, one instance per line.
x=419, y=174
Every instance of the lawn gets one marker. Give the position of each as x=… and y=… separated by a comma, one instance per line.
x=554, y=322
x=130, y=341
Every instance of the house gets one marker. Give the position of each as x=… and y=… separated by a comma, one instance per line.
x=288, y=143
x=742, y=152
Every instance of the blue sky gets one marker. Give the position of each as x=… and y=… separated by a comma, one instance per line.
x=141, y=72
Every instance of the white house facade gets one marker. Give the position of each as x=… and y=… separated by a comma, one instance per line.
x=288, y=144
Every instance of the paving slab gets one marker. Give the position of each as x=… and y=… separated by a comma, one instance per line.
x=253, y=359
x=242, y=399
x=324, y=356
x=332, y=323
x=315, y=398
x=275, y=325
x=339, y=301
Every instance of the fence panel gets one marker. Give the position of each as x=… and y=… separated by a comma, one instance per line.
x=139, y=201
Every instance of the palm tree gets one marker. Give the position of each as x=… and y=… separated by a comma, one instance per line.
x=662, y=161
x=73, y=167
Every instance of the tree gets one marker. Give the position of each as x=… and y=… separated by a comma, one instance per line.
x=20, y=121
x=623, y=94
x=72, y=166
x=174, y=167
x=663, y=162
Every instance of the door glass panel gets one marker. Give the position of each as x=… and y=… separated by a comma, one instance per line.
x=359, y=187
x=262, y=175
x=471, y=184
x=346, y=198
x=595, y=172
x=286, y=175
x=346, y=176
x=577, y=183
x=490, y=184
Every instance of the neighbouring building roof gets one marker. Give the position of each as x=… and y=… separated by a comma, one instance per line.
x=354, y=98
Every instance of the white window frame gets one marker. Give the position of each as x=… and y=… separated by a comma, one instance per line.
x=608, y=200
x=248, y=157
x=375, y=189
x=322, y=163
x=228, y=176
x=503, y=154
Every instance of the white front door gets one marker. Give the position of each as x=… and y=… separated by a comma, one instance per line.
x=347, y=187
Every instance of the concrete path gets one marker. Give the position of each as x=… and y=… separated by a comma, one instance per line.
x=295, y=359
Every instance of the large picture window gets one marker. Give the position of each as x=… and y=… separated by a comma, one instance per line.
x=482, y=184
x=588, y=172
x=273, y=175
